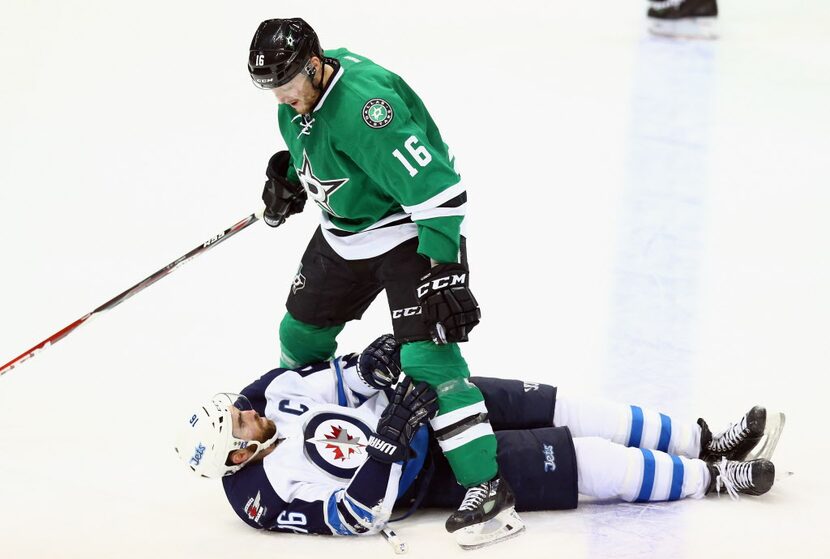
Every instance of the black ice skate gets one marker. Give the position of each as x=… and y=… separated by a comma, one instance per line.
x=736, y=441
x=486, y=516
x=750, y=478
x=692, y=19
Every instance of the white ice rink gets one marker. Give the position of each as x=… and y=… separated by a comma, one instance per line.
x=649, y=222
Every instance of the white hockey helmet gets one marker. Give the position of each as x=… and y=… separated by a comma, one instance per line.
x=206, y=439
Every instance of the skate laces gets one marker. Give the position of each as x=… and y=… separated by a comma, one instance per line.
x=730, y=437
x=475, y=496
x=733, y=476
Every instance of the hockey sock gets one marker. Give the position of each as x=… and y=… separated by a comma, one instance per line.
x=607, y=470
x=628, y=425
x=301, y=343
x=461, y=426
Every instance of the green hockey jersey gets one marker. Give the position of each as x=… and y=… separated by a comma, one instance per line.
x=373, y=160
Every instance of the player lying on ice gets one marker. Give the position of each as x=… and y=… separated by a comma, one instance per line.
x=331, y=448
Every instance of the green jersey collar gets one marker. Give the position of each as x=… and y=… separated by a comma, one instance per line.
x=337, y=74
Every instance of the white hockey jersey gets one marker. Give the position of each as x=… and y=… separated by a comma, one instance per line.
x=318, y=479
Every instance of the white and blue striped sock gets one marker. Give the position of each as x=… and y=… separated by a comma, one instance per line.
x=609, y=470
x=628, y=425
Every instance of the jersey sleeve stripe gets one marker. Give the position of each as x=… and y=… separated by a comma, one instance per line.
x=353, y=521
x=439, y=212
x=346, y=516
x=394, y=219
x=459, y=200
x=358, y=511
x=333, y=519
x=437, y=200
x=341, y=391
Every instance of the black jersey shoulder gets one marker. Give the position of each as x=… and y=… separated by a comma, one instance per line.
x=252, y=497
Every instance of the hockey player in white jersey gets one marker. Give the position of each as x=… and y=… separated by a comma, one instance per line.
x=331, y=448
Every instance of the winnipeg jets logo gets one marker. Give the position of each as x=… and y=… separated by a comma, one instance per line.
x=341, y=443
x=318, y=189
x=336, y=443
x=254, y=509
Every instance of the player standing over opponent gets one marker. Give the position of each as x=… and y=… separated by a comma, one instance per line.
x=364, y=148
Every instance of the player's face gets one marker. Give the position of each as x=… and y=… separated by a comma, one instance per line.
x=299, y=93
x=251, y=426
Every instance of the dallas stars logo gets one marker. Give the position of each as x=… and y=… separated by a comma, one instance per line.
x=318, y=189
x=343, y=444
x=377, y=113
x=289, y=40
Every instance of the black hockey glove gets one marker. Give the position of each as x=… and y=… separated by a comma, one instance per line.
x=380, y=364
x=282, y=197
x=448, y=305
x=400, y=420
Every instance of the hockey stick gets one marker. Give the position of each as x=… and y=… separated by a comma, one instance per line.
x=121, y=297
x=398, y=545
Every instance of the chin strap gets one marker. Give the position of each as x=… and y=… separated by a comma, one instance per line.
x=311, y=72
x=260, y=447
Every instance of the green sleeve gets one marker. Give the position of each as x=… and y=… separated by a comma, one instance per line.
x=439, y=238
x=408, y=160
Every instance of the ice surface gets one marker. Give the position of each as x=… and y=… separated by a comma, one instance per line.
x=648, y=222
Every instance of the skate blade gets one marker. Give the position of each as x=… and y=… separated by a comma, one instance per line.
x=504, y=526
x=772, y=432
x=688, y=28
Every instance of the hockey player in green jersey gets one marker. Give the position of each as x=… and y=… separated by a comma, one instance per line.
x=364, y=148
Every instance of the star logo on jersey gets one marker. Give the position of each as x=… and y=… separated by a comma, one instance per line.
x=318, y=189
x=254, y=509
x=343, y=444
x=377, y=113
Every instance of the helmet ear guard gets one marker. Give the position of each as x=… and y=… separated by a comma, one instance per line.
x=205, y=441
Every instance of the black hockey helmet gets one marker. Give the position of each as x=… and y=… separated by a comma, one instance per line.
x=280, y=49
